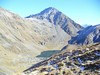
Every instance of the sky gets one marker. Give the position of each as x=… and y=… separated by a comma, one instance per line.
x=81, y=11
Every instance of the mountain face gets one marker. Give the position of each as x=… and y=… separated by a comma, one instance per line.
x=78, y=34
x=22, y=39
x=58, y=18
x=88, y=35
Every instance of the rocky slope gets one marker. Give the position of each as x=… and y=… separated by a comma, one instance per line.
x=22, y=39
x=84, y=60
x=58, y=19
x=90, y=34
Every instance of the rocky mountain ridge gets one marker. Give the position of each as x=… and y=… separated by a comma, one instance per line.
x=79, y=34
x=56, y=17
x=90, y=34
x=70, y=62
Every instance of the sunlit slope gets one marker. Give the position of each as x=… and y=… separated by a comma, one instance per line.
x=21, y=39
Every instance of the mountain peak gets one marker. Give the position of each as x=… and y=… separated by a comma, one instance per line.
x=49, y=10
x=56, y=17
x=46, y=12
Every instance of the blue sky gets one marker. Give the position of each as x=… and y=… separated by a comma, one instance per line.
x=81, y=11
